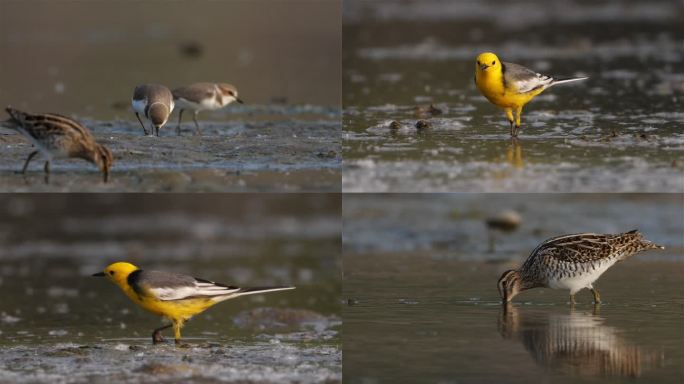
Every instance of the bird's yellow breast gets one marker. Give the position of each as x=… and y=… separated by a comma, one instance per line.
x=172, y=309
x=491, y=85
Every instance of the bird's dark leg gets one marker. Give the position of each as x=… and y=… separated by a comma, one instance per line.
x=194, y=118
x=180, y=117
x=509, y=115
x=28, y=160
x=492, y=241
x=141, y=123
x=47, y=171
x=156, y=335
x=156, y=130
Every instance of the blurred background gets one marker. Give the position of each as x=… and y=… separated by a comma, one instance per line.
x=85, y=57
x=50, y=245
x=420, y=273
x=619, y=130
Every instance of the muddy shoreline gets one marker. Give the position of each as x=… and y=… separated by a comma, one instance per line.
x=299, y=152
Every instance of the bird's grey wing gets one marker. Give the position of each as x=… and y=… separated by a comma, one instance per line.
x=195, y=92
x=173, y=286
x=522, y=80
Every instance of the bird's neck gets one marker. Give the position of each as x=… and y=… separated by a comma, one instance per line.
x=493, y=80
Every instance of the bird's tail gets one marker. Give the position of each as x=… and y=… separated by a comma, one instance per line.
x=252, y=291
x=568, y=80
x=16, y=118
x=248, y=291
x=642, y=243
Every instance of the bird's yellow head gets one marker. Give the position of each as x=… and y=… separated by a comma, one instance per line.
x=118, y=272
x=487, y=62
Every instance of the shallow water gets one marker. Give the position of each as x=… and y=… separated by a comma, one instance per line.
x=444, y=317
x=267, y=148
x=55, y=319
x=618, y=131
x=420, y=276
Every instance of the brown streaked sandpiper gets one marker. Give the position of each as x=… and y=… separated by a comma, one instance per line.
x=153, y=101
x=572, y=262
x=57, y=136
x=203, y=96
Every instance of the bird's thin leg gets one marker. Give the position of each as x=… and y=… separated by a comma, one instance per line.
x=156, y=130
x=180, y=116
x=176, y=331
x=28, y=160
x=47, y=171
x=492, y=241
x=141, y=123
x=509, y=115
x=597, y=297
x=572, y=299
x=194, y=118
x=518, y=112
x=157, y=336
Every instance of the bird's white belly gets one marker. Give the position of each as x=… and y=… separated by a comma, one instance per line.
x=207, y=103
x=580, y=280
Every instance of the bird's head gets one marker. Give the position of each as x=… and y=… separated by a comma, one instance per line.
x=487, y=62
x=229, y=93
x=117, y=272
x=102, y=157
x=509, y=285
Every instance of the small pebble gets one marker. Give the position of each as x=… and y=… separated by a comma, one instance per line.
x=422, y=125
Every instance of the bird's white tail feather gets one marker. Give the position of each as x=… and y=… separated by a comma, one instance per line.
x=251, y=291
x=562, y=81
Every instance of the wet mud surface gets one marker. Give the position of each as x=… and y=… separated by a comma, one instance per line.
x=60, y=324
x=274, y=148
x=407, y=62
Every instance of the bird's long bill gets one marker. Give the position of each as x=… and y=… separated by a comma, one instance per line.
x=239, y=100
x=99, y=274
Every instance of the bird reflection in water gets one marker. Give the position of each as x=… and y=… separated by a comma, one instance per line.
x=514, y=155
x=576, y=344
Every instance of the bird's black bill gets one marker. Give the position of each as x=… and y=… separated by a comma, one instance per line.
x=99, y=274
x=483, y=66
x=239, y=100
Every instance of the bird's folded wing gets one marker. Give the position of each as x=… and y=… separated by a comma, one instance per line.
x=578, y=248
x=171, y=286
x=522, y=80
x=195, y=92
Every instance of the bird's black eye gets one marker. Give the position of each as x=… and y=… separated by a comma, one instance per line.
x=111, y=273
x=493, y=62
x=478, y=62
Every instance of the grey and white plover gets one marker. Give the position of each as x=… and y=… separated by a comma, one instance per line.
x=203, y=96
x=153, y=101
x=572, y=262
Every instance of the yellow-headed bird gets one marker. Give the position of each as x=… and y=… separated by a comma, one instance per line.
x=511, y=86
x=171, y=295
